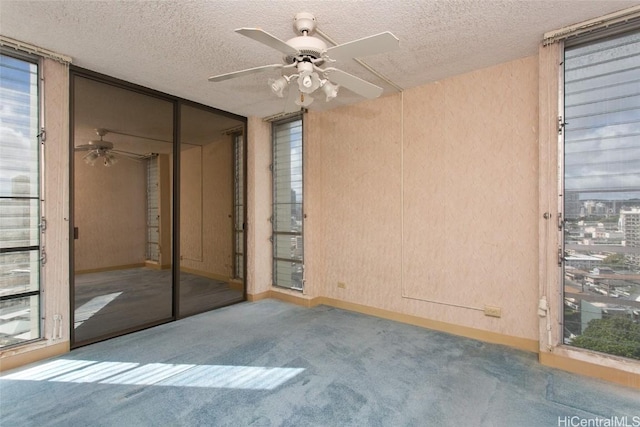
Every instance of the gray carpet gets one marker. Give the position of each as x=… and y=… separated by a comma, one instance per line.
x=274, y=364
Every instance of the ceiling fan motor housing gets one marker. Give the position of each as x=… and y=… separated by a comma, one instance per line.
x=307, y=46
x=99, y=144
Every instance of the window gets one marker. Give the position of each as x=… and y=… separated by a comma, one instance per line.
x=602, y=195
x=19, y=201
x=153, y=210
x=287, y=237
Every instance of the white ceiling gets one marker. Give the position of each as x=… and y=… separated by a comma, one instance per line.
x=174, y=46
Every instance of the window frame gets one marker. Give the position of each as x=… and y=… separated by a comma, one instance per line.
x=563, y=200
x=239, y=215
x=274, y=232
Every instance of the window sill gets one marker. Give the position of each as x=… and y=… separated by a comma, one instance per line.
x=25, y=353
x=607, y=367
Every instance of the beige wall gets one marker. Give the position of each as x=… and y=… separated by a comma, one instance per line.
x=206, y=208
x=354, y=210
x=110, y=213
x=258, y=227
x=427, y=201
x=165, y=173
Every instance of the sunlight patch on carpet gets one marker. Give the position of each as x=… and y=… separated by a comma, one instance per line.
x=158, y=374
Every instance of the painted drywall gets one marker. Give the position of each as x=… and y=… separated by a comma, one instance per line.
x=354, y=209
x=258, y=227
x=206, y=208
x=55, y=272
x=110, y=213
x=427, y=203
x=165, y=168
x=191, y=205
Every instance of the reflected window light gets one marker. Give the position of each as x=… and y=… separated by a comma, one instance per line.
x=90, y=308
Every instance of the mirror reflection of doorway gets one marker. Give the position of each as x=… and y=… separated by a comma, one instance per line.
x=208, y=274
x=121, y=138
x=126, y=276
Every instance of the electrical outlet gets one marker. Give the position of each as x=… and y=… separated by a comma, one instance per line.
x=492, y=311
x=342, y=285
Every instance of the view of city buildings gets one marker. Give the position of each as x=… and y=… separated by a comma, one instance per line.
x=601, y=262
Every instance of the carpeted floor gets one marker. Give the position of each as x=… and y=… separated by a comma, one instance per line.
x=273, y=364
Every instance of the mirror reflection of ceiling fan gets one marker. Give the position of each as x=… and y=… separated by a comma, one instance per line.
x=99, y=149
x=304, y=56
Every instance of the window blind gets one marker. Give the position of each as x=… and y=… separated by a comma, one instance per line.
x=288, y=247
x=602, y=111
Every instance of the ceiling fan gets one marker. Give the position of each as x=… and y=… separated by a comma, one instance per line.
x=304, y=57
x=100, y=149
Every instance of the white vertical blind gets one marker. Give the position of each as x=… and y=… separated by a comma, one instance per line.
x=602, y=111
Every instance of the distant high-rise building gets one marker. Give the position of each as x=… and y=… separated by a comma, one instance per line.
x=630, y=225
x=572, y=205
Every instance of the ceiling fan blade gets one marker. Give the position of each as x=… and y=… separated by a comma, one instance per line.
x=128, y=155
x=272, y=41
x=84, y=147
x=379, y=43
x=235, y=74
x=94, y=145
x=353, y=83
x=290, y=105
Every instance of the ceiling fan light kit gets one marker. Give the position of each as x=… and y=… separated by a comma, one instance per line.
x=92, y=156
x=99, y=149
x=305, y=54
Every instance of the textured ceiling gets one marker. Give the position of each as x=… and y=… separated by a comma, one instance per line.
x=174, y=46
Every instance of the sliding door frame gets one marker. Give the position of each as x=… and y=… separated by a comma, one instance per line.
x=175, y=220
